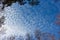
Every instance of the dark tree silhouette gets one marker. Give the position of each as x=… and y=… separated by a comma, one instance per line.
x=2, y=29
x=38, y=34
x=2, y=19
x=21, y=2
x=28, y=36
x=33, y=2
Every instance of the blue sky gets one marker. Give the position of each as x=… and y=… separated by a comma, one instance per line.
x=27, y=18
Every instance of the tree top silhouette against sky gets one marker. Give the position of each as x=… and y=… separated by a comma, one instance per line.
x=4, y=3
x=30, y=17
